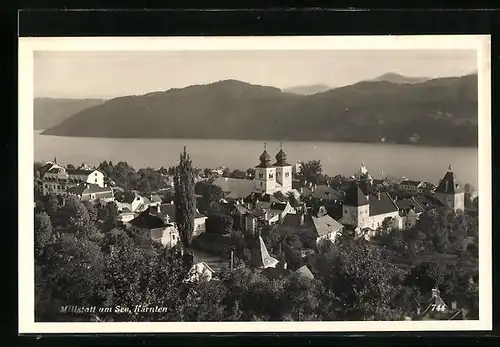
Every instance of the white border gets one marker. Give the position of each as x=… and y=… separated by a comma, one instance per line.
x=25, y=163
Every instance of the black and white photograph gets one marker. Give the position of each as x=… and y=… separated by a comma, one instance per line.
x=255, y=184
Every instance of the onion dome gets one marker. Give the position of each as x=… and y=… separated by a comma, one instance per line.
x=281, y=158
x=265, y=158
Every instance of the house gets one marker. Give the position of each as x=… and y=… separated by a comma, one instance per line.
x=410, y=186
x=317, y=225
x=366, y=209
x=449, y=191
x=91, y=192
x=260, y=257
x=86, y=174
x=168, y=211
x=199, y=272
x=150, y=224
x=410, y=211
x=134, y=202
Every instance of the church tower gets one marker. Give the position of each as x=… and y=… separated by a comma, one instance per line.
x=265, y=174
x=283, y=171
x=449, y=191
x=356, y=207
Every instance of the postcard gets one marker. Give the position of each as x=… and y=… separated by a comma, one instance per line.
x=255, y=184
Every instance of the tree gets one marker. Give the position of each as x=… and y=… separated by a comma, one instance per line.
x=75, y=217
x=43, y=232
x=185, y=199
x=219, y=224
x=237, y=174
x=52, y=204
x=358, y=279
x=310, y=171
x=211, y=195
x=109, y=215
x=72, y=275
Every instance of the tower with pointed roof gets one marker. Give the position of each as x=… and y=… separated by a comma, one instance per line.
x=265, y=174
x=260, y=256
x=449, y=192
x=356, y=207
x=283, y=171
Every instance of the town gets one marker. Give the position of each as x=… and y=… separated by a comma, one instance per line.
x=284, y=241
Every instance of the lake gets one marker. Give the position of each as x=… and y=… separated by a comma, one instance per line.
x=414, y=162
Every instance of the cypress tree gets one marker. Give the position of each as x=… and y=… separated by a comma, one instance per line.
x=185, y=199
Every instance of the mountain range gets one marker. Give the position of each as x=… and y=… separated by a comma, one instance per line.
x=440, y=112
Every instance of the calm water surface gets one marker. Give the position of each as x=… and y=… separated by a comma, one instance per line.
x=422, y=163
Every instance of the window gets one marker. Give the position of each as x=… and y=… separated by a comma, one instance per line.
x=261, y=184
x=95, y=180
x=287, y=174
x=270, y=175
x=261, y=175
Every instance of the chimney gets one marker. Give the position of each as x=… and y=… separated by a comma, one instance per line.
x=285, y=265
x=453, y=305
x=158, y=208
x=171, y=202
x=302, y=218
x=378, y=195
x=418, y=311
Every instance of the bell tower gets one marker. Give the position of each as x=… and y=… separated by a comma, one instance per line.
x=283, y=171
x=265, y=174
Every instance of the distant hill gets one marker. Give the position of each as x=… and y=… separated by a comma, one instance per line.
x=49, y=112
x=441, y=112
x=397, y=78
x=307, y=90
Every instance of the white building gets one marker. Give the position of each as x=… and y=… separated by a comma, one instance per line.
x=368, y=210
x=270, y=178
x=151, y=225
x=57, y=179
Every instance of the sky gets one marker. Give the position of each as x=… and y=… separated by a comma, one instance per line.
x=110, y=74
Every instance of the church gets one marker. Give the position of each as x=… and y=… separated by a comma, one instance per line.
x=269, y=178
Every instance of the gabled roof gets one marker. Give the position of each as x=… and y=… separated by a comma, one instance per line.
x=355, y=196
x=260, y=256
x=325, y=225
x=305, y=272
x=149, y=219
x=426, y=200
x=90, y=188
x=449, y=184
x=80, y=171
x=383, y=205
x=405, y=205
